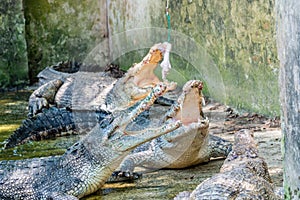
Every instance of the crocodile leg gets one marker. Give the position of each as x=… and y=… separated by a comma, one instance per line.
x=218, y=147
x=41, y=97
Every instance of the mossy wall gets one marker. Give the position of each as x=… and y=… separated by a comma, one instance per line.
x=236, y=36
x=230, y=44
x=59, y=30
x=13, y=54
x=240, y=37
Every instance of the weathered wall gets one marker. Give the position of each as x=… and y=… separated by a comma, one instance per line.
x=236, y=36
x=59, y=30
x=288, y=31
x=240, y=37
x=13, y=55
x=131, y=24
x=229, y=44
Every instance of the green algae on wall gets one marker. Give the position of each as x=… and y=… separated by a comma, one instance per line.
x=237, y=36
x=62, y=30
x=13, y=55
x=240, y=37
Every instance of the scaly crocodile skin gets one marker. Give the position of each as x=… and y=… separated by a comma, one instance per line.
x=85, y=166
x=244, y=175
x=186, y=146
x=87, y=97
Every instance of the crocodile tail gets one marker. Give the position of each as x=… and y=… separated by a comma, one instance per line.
x=54, y=122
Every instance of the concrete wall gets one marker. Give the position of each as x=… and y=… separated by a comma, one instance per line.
x=13, y=54
x=240, y=37
x=59, y=30
x=236, y=38
x=288, y=29
x=229, y=44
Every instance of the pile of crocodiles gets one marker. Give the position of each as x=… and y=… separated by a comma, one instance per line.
x=114, y=114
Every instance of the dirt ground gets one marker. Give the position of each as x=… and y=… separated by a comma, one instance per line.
x=224, y=122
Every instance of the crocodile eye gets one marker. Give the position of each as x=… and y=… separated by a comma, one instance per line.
x=74, y=152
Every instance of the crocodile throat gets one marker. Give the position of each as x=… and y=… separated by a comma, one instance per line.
x=190, y=105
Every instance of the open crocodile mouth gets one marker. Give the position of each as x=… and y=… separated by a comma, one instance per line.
x=146, y=76
x=190, y=103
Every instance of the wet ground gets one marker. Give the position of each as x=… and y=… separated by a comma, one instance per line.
x=160, y=184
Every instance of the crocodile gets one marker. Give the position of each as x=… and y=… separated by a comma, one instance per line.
x=189, y=145
x=243, y=175
x=86, y=165
x=63, y=69
x=80, y=100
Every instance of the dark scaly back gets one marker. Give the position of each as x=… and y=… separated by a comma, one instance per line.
x=54, y=122
x=245, y=154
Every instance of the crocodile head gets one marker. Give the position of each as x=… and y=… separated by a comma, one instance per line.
x=121, y=139
x=190, y=103
x=188, y=108
x=245, y=154
x=244, y=146
x=187, y=141
x=142, y=74
x=138, y=81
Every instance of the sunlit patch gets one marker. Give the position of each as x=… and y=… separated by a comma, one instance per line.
x=118, y=185
x=8, y=102
x=4, y=101
x=8, y=111
x=8, y=127
x=15, y=103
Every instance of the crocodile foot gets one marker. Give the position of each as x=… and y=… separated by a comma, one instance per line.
x=121, y=176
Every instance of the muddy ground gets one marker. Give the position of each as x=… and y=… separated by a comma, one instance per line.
x=160, y=184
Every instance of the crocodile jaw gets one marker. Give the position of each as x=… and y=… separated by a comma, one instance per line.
x=190, y=140
x=146, y=77
x=137, y=82
x=144, y=71
x=190, y=103
x=123, y=141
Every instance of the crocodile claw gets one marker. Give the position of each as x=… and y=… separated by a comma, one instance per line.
x=36, y=104
x=119, y=176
